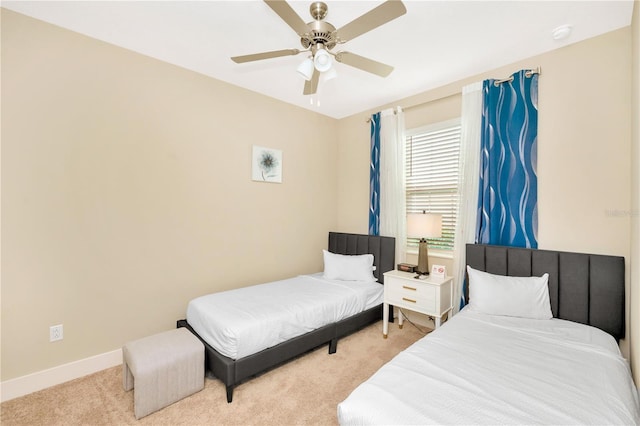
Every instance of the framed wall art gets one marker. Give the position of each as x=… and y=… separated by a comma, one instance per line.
x=266, y=165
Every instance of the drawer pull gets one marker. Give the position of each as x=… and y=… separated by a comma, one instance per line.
x=408, y=300
x=409, y=288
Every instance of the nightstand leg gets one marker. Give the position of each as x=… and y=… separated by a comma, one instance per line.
x=385, y=320
x=400, y=318
x=437, y=321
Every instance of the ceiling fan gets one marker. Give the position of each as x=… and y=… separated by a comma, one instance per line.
x=319, y=37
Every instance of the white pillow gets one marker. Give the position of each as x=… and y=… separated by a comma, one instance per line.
x=526, y=297
x=348, y=267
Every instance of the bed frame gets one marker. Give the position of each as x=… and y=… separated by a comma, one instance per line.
x=584, y=288
x=232, y=372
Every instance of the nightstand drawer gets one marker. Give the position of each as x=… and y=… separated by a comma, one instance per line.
x=400, y=289
x=420, y=304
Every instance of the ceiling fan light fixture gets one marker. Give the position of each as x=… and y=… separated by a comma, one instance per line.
x=322, y=60
x=330, y=75
x=305, y=69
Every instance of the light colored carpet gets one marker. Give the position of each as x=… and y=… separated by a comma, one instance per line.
x=306, y=390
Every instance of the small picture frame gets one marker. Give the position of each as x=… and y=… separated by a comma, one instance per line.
x=266, y=165
x=438, y=272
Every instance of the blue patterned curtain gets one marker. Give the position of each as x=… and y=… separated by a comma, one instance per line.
x=508, y=197
x=374, y=177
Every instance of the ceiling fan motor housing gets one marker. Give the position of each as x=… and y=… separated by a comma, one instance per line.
x=319, y=30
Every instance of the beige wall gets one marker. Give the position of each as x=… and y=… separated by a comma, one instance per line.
x=635, y=197
x=584, y=144
x=126, y=191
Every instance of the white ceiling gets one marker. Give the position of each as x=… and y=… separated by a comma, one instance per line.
x=434, y=43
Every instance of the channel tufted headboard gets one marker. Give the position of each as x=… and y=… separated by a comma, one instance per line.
x=584, y=288
x=382, y=248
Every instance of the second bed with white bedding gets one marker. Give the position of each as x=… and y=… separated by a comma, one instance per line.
x=485, y=369
x=244, y=321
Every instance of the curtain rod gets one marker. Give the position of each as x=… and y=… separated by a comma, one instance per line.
x=422, y=103
x=527, y=73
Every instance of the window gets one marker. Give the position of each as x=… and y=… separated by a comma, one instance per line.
x=432, y=177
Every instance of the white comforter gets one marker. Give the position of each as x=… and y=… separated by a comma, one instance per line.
x=244, y=321
x=481, y=369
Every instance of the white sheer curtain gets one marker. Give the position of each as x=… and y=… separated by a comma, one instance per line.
x=392, y=179
x=468, y=181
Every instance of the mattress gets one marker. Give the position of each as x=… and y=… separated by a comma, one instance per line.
x=244, y=321
x=481, y=369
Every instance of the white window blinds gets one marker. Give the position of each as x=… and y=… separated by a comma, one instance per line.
x=432, y=177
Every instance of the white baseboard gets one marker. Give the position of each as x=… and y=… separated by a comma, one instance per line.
x=30, y=383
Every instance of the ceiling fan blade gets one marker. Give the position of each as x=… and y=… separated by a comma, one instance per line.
x=365, y=64
x=311, y=86
x=264, y=55
x=288, y=15
x=387, y=11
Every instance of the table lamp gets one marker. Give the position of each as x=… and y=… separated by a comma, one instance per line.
x=424, y=225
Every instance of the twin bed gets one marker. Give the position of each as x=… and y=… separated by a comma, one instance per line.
x=536, y=344
x=249, y=330
x=532, y=349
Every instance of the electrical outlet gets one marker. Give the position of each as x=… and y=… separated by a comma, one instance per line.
x=55, y=333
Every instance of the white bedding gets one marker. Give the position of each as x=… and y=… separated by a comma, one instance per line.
x=244, y=321
x=482, y=369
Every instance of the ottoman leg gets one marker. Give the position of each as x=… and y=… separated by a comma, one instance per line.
x=147, y=398
x=127, y=377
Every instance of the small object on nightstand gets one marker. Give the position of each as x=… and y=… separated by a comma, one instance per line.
x=406, y=267
x=438, y=272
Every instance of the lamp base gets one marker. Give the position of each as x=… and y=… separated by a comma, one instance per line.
x=423, y=260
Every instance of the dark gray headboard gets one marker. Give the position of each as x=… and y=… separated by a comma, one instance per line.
x=585, y=288
x=383, y=249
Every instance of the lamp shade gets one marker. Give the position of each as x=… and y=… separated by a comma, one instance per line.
x=424, y=225
x=305, y=69
x=322, y=60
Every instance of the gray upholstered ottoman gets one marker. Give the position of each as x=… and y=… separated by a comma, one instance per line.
x=165, y=368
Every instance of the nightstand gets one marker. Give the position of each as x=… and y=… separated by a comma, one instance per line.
x=428, y=296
